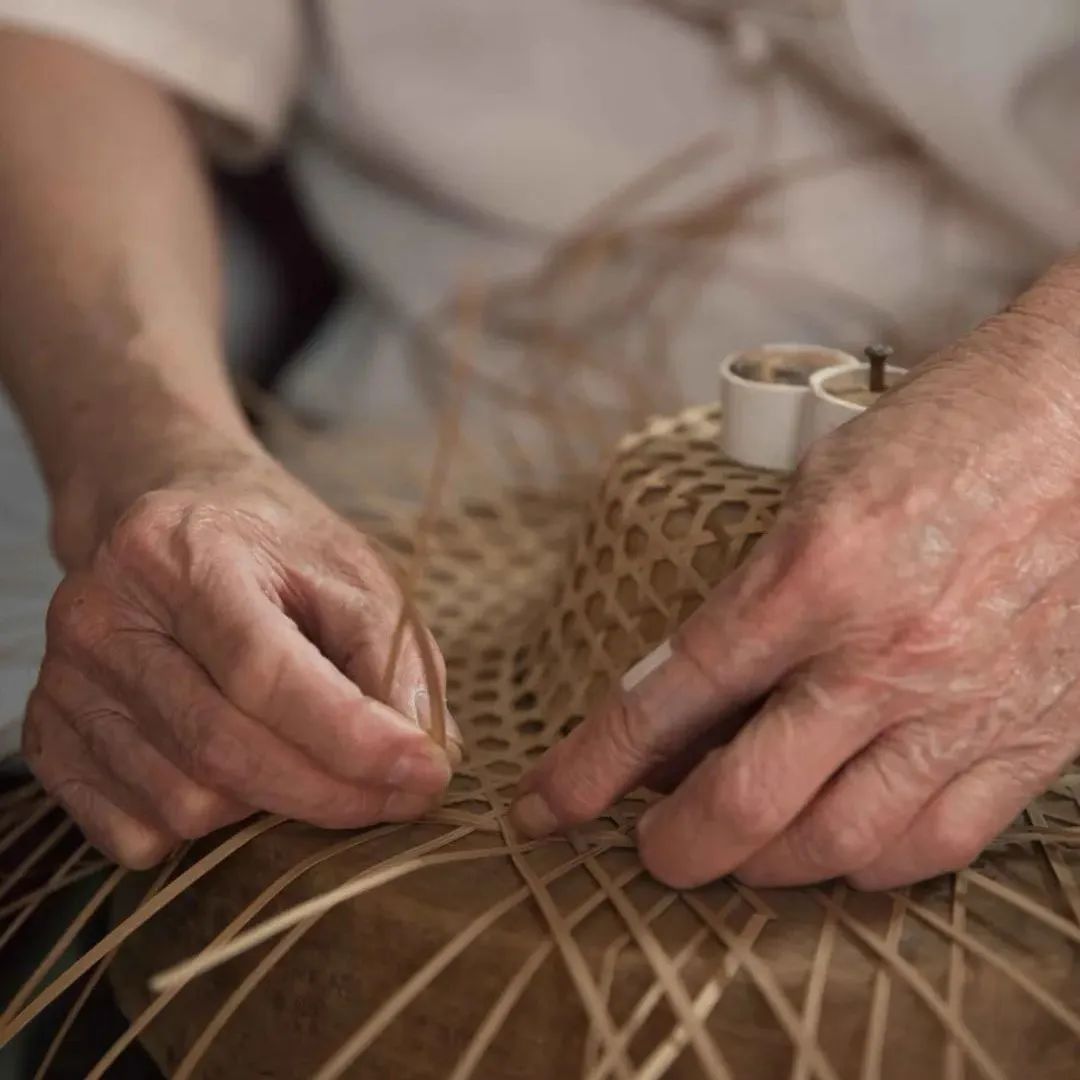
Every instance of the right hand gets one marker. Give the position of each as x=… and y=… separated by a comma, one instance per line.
x=221, y=651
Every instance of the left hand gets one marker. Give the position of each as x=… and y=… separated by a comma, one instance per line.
x=913, y=617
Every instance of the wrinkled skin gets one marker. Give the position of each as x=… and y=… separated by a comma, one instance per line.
x=912, y=626
x=224, y=651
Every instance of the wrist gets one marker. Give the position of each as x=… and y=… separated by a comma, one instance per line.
x=1054, y=300
x=1030, y=352
x=114, y=472
x=1038, y=336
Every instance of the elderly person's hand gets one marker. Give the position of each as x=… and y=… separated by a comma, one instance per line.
x=222, y=650
x=914, y=620
x=220, y=641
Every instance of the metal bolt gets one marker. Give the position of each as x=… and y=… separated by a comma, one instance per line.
x=878, y=355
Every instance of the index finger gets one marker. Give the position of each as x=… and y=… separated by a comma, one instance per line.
x=744, y=795
x=726, y=655
x=264, y=664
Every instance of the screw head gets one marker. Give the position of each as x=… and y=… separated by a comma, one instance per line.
x=878, y=353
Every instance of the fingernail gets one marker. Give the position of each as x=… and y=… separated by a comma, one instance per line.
x=532, y=817
x=455, y=752
x=454, y=737
x=421, y=708
x=422, y=715
x=423, y=771
x=646, y=666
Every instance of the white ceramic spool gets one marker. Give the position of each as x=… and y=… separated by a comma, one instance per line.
x=764, y=421
x=824, y=412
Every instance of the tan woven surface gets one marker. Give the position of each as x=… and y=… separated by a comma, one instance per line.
x=443, y=949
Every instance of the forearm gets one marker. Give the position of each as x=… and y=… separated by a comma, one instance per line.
x=110, y=300
x=1055, y=297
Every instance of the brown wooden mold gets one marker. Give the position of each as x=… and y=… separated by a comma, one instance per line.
x=443, y=949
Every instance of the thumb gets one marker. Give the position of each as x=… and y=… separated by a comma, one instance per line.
x=359, y=631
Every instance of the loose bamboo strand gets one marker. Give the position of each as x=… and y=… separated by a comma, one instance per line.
x=770, y=990
x=874, y=1044
x=575, y=964
x=962, y=940
x=815, y=989
x=707, y=1052
x=917, y=982
x=60, y=946
x=95, y=978
x=489, y=1027
x=35, y=896
x=278, y=924
x=390, y=1009
x=129, y=925
x=954, y=1059
x=274, y=889
x=60, y=874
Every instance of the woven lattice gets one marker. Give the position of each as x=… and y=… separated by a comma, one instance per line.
x=444, y=949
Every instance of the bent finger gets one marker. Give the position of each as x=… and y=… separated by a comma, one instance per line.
x=188, y=719
x=954, y=828
x=866, y=807
x=668, y=775
x=744, y=795
x=270, y=671
x=165, y=795
x=370, y=635
x=67, y=771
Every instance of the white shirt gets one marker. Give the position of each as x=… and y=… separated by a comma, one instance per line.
x=440, y=139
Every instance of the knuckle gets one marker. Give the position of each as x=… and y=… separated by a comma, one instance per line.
x=827, y=546
x=51, y=682
x=575, y=796
x=193, y=811
x=100, y=729
x=63, y=599
x=627, y=731
x=582, y=784
x=139, y=539
x=78, y=619
x=925, y=632
x=137, y=846
x=35, y=717
x=958, y=841
x=218, y=760
x=741, y=804
x=824, y=564
x=349, y=810
x=840, y=847
x=809, y=571
x=252, y=672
